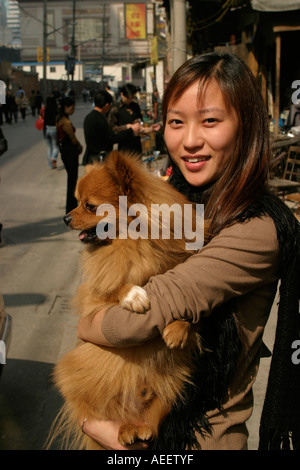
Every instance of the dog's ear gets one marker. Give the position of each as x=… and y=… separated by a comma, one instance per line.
x=121, y=167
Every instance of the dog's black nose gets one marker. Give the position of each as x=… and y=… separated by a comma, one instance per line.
x=67, y=219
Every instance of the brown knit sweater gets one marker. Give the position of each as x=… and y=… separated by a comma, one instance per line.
x=240, y=263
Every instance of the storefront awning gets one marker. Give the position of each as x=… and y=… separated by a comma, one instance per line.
x=275, y=5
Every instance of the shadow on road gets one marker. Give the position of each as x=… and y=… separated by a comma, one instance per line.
x=34, y=232
x=26, y=410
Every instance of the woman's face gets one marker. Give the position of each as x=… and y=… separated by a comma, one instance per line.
x=69, y=110
x=201, y=136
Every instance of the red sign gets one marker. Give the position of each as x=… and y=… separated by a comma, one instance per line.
x=135, y=17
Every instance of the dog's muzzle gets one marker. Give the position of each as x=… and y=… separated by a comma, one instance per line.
x=87, y=235
x=67, y=219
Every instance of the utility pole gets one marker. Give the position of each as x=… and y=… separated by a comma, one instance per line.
x=73, y=51
x=45, y=51
x=178, y=33
x=103, y=42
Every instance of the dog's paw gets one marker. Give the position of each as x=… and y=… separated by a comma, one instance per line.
x=136, y=300
x=175, y=335
x=130, y=433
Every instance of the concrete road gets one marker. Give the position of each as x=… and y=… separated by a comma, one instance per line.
x=39, y=272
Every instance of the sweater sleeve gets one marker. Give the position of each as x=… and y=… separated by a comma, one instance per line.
x=239, y=260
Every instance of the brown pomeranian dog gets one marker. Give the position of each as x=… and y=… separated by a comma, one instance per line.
x=135, y=386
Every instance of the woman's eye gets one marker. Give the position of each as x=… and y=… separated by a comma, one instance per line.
x=91, y=207
x=210, y=120
x=174, y=122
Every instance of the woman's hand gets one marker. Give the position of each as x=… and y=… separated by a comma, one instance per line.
x=106, y=434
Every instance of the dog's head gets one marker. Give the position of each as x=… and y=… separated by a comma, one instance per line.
x=101, y=215
x=102, y=184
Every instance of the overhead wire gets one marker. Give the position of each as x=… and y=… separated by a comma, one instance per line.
x=211, y=20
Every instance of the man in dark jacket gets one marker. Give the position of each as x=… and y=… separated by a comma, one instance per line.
x=99, y=137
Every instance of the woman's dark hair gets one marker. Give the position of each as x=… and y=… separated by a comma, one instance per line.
x=65, y=102
x=244, y=177
x=50, y=110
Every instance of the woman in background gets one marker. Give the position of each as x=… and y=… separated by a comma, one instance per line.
x=70, y=149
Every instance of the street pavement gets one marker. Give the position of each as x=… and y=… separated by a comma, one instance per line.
x=39, y=272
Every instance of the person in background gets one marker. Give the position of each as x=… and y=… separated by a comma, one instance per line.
x=126, y=113
x=22, y=103
x=217, y=135
x=33, y=102
x=50, y=131
x=8, y=107
x=20, y=90
x=99, y=137
x=14, y=106
x=38, y=101
x=70, y=148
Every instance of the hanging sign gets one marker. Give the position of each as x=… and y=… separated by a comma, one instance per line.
x=135, y=17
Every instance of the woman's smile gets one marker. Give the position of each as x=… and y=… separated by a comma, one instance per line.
x=195, y=163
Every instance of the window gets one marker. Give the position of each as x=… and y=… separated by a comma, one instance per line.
x=87, y=29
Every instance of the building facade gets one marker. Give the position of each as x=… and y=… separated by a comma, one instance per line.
x=111, y=41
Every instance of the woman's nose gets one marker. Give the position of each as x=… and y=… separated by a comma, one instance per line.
x=193, y=137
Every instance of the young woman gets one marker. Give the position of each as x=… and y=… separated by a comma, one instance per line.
x=70, y=149
x=216, y=132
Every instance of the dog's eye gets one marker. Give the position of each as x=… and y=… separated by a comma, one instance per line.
x=90, y=207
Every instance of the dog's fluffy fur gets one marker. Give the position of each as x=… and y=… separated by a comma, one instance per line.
x=136, y=386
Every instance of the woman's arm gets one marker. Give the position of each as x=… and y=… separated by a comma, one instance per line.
x=89, y=328
x=68, y=128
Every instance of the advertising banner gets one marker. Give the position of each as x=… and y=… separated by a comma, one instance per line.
x=135, y=16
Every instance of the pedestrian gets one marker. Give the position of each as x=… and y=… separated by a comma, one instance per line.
x=99, y=137
x=20, y=90
x=216, y=132
x=14, y=106
x=33, y=102
x=70, y=148
x=22, y=103
x=38, y=101
x=50, y=131
x=8, y=108
x=129, y=112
